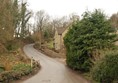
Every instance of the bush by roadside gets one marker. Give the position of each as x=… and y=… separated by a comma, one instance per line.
x=106, y=70
x=14, y=64
x=18, y=71
x=2, y=68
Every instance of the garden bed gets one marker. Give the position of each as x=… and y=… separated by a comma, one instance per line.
x=15, y=65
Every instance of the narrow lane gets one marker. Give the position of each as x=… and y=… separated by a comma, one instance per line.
x=51, y=71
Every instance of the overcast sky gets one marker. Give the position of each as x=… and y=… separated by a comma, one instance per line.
x=65, y=7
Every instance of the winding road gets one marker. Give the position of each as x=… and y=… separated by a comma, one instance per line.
x=52, y=71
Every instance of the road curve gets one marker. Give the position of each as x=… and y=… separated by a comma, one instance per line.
x=51, y=71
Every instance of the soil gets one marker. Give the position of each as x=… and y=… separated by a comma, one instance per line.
x=59, y=56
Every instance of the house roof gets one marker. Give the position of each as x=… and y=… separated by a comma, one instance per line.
x=60, y=30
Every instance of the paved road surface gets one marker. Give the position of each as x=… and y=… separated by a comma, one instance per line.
x=51, y=71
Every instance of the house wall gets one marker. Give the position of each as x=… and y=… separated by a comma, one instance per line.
x=58, y=39
x=63, y=35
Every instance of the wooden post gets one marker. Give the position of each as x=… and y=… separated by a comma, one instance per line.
x=32, y=62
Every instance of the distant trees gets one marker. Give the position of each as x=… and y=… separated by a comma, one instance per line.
x=74, y=18
x=42, y=21
x=114, y=20
x=85, y=37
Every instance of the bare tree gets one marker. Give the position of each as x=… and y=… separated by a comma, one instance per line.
x=73, y=17
x=41, y=20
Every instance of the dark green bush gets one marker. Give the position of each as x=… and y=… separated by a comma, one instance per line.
x=78, y=61
x=2, y=68
x=106, y=71
x=37, y=45
x=12, y=45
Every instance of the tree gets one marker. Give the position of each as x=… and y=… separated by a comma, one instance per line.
x=16, y=17
x=6, y=21
x=114, y=20
x=60, y=22
x=74, y=18
x=41, y=21
x=92, y=33
x=48, y=31
x=25, y=16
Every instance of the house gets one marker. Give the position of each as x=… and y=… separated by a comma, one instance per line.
x=58, y=38
x=61, y=32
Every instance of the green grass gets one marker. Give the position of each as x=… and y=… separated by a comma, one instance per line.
x=50, y=45
x=23, y=68
x=1, y=69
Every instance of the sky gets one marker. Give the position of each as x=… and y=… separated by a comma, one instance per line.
x=59, y=8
